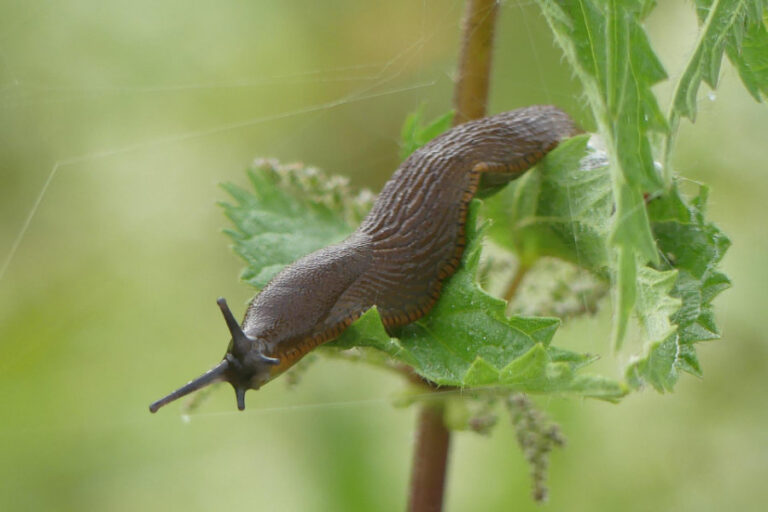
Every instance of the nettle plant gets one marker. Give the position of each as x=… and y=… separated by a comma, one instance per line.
x=600, y=223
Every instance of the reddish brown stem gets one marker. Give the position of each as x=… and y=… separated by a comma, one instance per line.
x=429, y=461
x=515, y=283
x=471, y=93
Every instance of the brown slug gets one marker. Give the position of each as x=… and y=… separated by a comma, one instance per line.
x=398, y=258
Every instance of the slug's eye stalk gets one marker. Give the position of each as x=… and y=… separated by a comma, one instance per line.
x=244, y=366
x=241, y=342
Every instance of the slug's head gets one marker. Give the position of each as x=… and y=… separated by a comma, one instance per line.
x=245, y=366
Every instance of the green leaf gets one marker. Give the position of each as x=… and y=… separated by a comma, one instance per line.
x=676, y=299
x=723, y=25
x=608, y=49
x=416, y=132
x=292, y=211
x=751, y=57
x=735, y=26
x=563, y=209
x=625, y=294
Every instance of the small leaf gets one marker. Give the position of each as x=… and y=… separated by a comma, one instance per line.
x=415, y=132
x=625, y=295
x=723, y=24
x=567, y=199
x=693, y=247
x=292, y=211
x=751, y=56
x=563, y=209
x=608, y=49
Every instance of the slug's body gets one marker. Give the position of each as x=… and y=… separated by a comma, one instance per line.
x=409, y=243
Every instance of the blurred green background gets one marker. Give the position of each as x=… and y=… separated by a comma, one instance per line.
x=108, y=302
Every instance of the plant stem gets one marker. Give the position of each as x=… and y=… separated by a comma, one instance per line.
x=516, y=281
x=430, y=459
x=470, y=96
